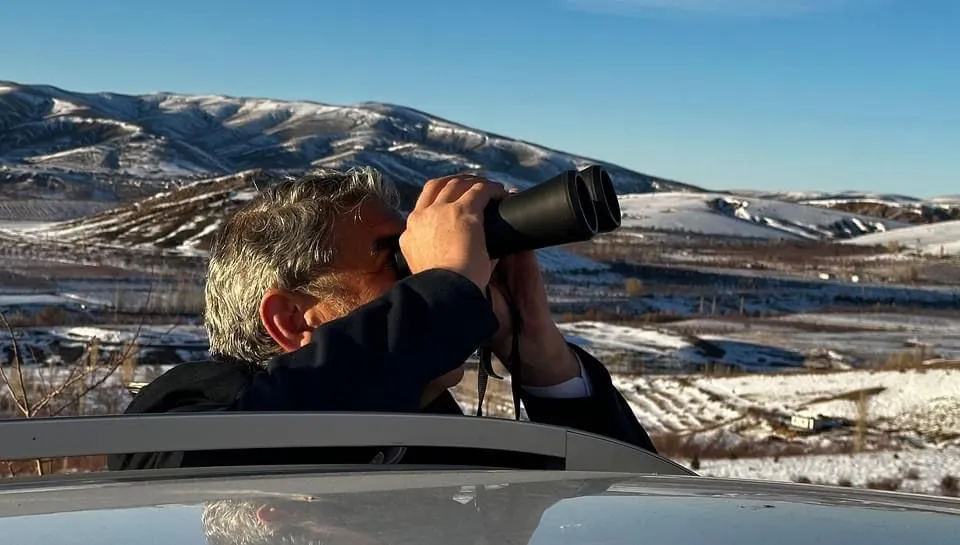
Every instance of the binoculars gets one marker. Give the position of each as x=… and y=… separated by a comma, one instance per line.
x=573, y=206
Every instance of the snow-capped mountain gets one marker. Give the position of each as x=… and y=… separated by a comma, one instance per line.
x=180, y=163
x=98, y=145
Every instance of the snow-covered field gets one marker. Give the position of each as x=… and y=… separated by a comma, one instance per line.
x=916, y=411
x=916, y=406
x=936, y=239
x=660, y=350
x=840, y=340
x=927, y=471
x=833, y=341
x=736, y=426
x=678, y=347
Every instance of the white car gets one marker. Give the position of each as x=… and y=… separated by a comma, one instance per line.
x=592, y=490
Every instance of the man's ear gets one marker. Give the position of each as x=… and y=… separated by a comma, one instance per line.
x=289, y=318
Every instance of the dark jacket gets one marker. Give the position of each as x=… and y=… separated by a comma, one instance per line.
x=379, y=357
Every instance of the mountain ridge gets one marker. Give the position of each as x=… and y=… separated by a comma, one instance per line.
x=106, y=154
x=58, y=139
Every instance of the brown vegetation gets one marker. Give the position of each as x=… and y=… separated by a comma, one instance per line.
x=601, y=315
x=690, y=447
x=633, y=287
x=88, y=385
x=950, y=486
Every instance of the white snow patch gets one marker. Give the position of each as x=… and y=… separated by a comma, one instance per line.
x=922, y=405
x=933, y=239
x=918, y=471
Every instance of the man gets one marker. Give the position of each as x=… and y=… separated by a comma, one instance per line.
x=304, y=312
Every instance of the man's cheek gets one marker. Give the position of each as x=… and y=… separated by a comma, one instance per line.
x=374, y=289
x=385, y=282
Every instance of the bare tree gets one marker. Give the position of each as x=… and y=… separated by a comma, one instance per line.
x=69, y=390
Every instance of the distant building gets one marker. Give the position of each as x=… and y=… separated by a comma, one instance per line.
x=813, y=424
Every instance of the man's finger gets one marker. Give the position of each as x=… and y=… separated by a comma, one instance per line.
x=478, y=196
x=430, y=191
x=433, y=188
x=457, y=187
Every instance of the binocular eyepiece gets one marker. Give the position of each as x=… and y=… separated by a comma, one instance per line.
x=573, y=206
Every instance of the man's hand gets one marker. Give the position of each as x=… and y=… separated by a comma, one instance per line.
x=445, y=231
x=445, y=228
x=545, y=357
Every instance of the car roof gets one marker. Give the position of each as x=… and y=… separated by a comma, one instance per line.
x=441, y=506
x=606, y=499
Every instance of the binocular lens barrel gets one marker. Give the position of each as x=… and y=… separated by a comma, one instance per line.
x=604, y=198
x=558, y=211
x=570, y=207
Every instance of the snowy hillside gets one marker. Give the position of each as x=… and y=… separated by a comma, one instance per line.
x=730, y=216
x=934, y=239
x=90, y=144
x=879, y=205
x=184, y=219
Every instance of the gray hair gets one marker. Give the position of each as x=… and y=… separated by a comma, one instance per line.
x=234, y=522
x=283, y=238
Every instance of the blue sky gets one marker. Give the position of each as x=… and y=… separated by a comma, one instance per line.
x=765, y=94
